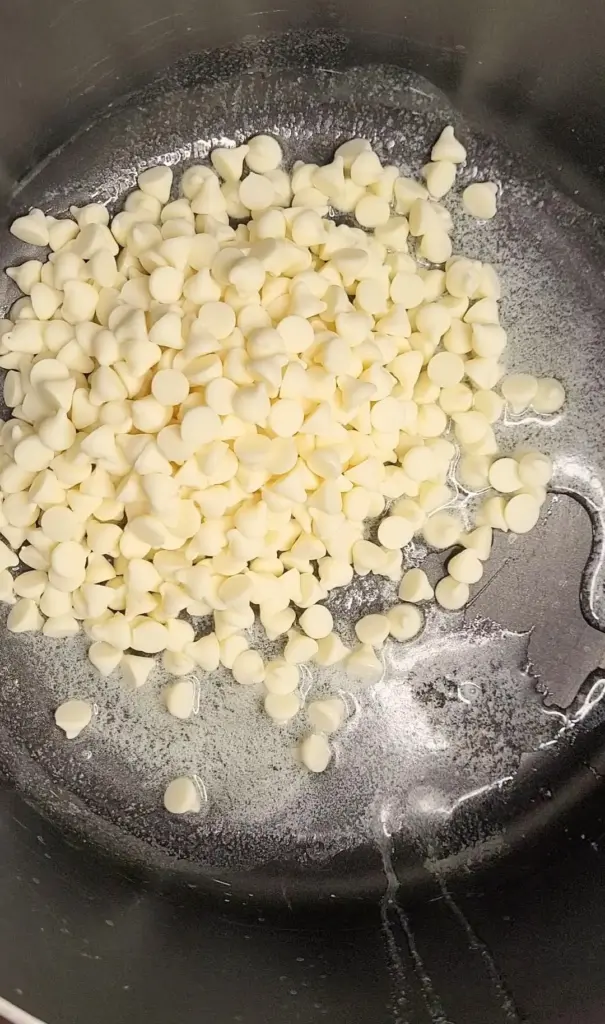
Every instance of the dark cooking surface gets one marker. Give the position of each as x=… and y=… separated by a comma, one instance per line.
x=91, y=947
x=82, y=942
x=434, y=751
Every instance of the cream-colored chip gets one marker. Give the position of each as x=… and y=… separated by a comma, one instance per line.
x=521, y=513
x=479, y=540
x=479, y=200
x=415, y=586
x=519, y=390
x=248, y=668
x=549, y=396
x=372, y=629
x=363, y=664
x=504, y=476
x=465, y=567
x=282, y=707
x=73, y=716
x=451, y=594
x=315, y=752
x=395, y=532
x=405, y=621
x=535, y=469
x=182, y=796
x=317, y=622
x=442, y=530
x=326, y=715
x=180, y=698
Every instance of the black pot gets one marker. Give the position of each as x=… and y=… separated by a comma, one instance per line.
x=496, y=919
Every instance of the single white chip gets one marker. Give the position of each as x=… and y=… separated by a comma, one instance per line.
x=415, y=586
x=451, y=594
x=326, y=715
x=405, y=621
x=395, y=532
x=535, y=469
x=549, y=396
x=248, y=668
x=363, y=664
x=519, y=390
x=182, y=796
x=521, y=513
x=282, y=707
x=179, y=698
x=317, y=622
x=263, y=154
x=465, y=567
x=372, y=630
x=504, y=476
x=479, y=200
x=315, y=752
x=442, y=530
x=73, y=716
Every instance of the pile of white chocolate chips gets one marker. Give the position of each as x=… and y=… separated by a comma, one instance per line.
x=206, y=418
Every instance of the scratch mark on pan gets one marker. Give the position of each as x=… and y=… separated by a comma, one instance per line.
x=489, y=582
x=271, y=10
x=430, y=997
x=388, y=907
x=154, y=22
x=65, y=13
x=387, y=904
x=510, y=1010
x=287, y=901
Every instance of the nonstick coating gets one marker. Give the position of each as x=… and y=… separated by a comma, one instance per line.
x=451, y=763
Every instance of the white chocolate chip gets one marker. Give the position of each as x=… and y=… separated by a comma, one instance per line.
x=330, y=650
x=521, y=513
x=363, y=664
x=326, y=715
x=135, y=670
x=248, y=668
x=519, y=390
x=179, y=698
x=73, y=716
x=465, y=567
x=156, y=182
x=395, y=532
x=315, y=752
x=451, y=594
x=264, y=154
x=447, y=147
x=415, y=586
x=282, y=707
x=300, y=648
x=504, y=476
x=316, y=622
x=479, y=541
x=535, y=469
x=181, y=796
x=549, y=396
x=372, y=630
x=442, y=530
x=479, y=200
x=405, y=621
x=439, y=176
